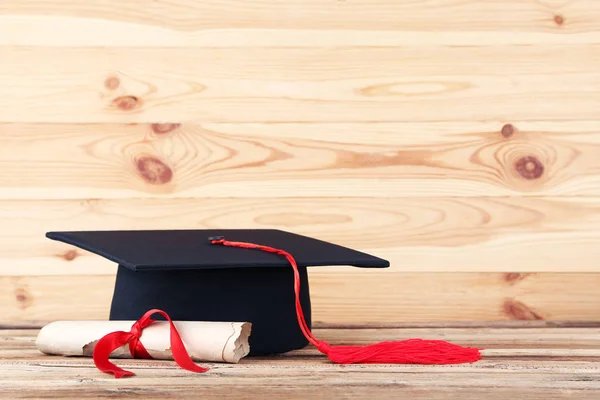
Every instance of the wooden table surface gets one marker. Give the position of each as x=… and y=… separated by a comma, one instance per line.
x=537, y=360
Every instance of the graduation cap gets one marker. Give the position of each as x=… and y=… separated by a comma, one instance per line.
x=240, y=275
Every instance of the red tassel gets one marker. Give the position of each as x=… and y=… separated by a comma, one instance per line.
x=411, y=351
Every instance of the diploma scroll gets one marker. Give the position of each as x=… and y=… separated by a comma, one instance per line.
x=204, y=341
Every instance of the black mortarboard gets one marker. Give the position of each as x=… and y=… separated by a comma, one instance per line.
x=185, y=274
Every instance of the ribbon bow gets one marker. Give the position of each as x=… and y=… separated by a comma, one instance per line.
x=112, y=341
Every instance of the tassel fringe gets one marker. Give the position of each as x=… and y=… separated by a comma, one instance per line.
x=411, y=351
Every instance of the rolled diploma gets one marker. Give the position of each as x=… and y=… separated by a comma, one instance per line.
x=204, y=341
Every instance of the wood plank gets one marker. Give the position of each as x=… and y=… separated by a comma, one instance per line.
x=497, y=344
x=142, y=85
x=384, y=297
x=303, y=23
x=416, y=159
x=503, y=342
x=316, y=362
x=300, y=378
x=415, y=234
x=297, y=373
x=24, y=328
x=290, y=63
x=326, y=391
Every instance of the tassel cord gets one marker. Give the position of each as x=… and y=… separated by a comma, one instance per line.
x=410, y=351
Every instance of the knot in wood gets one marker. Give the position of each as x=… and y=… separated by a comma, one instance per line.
x=126, y=103
x=529, y=167
x=153, y=170
x=162, y=129
x=507, y=130
x=112, y=82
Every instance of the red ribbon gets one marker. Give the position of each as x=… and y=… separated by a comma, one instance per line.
x=112, y=341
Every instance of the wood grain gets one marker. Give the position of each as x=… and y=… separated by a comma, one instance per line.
x=373, y=297
x=44, y=84
x=340, y=160
x=297, y=374
x=328, y=391
x=503, y=342
x=415, y=234
x=298, y=23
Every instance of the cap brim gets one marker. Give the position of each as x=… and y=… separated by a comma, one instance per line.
x=191, y=249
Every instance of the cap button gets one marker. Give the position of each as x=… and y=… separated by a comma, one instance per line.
x=213, y=238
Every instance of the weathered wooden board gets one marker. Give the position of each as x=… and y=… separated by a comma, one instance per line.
x=335, y=387
x=375, y=297
x=297, y=22
x=43, y=84
x=341, y=160
x=525, y=234
x=27, y=373
x=497, y=342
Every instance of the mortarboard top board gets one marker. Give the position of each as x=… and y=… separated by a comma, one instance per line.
x=184, y=274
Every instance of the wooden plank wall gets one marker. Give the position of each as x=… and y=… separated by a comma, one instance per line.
x=459, y=139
